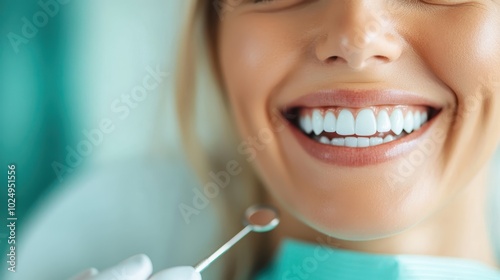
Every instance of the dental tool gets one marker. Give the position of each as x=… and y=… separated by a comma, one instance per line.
x=258, y=218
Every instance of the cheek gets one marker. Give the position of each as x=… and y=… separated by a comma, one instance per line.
x=254, y=57
x=462, y=56
x=466, y=59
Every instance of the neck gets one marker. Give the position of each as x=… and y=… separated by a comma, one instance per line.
x=458, y=230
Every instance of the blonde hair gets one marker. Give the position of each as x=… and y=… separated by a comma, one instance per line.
x=198, y=89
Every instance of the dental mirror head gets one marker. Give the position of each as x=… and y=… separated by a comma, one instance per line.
x=261, y=218
x=258, y=218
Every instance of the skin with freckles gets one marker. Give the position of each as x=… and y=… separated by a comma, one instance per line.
x=447, y=51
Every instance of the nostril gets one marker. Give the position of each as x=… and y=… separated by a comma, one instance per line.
x=333, y=59
x=382, y=58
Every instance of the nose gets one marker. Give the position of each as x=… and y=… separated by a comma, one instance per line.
x=359, y=34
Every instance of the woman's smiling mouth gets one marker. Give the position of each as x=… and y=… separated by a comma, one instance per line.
x=361, y=128
x=344, y=128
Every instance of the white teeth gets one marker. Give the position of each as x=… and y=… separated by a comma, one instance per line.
x=423, y=118
x=317, y=122
x=408, y=126
x=388, y=138
x=306, y=124
x=351, y=142
x=338, y=141
x=383, y=122
x=356, y=142
x=363, y=142
x=330, y=124
x=375, y=141
x=345, y=123
x=397, y=121
x=366, y=124
x=324, y=140
x=417, y=121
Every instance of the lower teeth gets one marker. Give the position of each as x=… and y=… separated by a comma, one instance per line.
x=357, y=142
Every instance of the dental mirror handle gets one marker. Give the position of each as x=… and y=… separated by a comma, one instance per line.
x=206, y=262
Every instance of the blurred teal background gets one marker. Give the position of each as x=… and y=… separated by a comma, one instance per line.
x=37, y=104
x=64, y=80
x=62, y=75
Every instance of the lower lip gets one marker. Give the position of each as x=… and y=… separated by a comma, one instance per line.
x=355, y=157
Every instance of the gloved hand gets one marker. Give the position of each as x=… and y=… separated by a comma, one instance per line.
x=138, y=267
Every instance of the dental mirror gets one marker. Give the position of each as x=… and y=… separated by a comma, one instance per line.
x=258, y=218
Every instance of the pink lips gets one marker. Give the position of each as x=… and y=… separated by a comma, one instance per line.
x=359, y=99
x=348, y=156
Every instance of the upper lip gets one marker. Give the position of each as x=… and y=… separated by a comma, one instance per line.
x=360, y=99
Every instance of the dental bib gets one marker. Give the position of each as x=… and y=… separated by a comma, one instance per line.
x=297, y=260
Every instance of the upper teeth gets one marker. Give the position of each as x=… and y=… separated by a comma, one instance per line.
x=368, y=122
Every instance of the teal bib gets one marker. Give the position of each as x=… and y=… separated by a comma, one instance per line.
x=298, y=261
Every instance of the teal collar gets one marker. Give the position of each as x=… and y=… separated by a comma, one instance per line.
x=297, y=261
